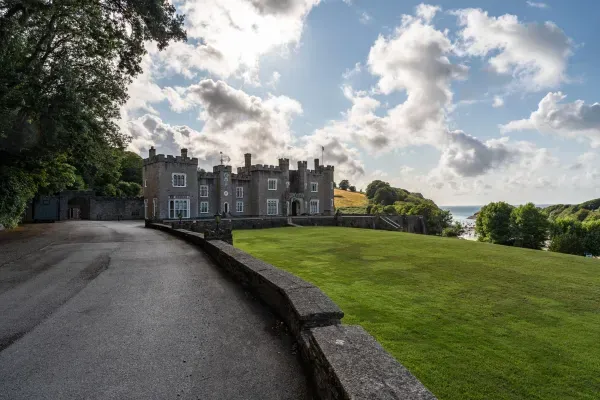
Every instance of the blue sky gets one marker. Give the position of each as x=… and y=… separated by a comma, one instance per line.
x=465, y=101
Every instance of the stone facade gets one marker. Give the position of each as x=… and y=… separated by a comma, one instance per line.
x=253, y=190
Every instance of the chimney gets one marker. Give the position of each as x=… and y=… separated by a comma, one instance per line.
x=248, y=161
x=183, y=153
x=316, y=164
x=152, y=152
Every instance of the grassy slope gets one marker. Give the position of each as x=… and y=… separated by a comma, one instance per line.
x=345, y=198
x=471, y=320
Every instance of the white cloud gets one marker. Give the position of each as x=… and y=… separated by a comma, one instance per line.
x=349, y=73
x=227, y=38
x=572, y=120
x=498, y=102
x=467, y=156
x=237, y=123
x=535, y=54
x=427, y=12
x=536, y=4
x=365, y=18
x=275, y=77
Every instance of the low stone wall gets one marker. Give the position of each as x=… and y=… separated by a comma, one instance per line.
x=345, y=361
x=408, y=223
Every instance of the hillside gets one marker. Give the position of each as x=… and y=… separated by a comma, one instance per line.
x=587, y=211
x=345, y=198
x=471, y=320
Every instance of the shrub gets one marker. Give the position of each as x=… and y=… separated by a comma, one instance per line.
x=389, y=210
x=453, y=231
x=385, y=195
x=568, y=243
x=352, y=188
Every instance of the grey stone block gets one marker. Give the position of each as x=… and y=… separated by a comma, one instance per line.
x=350, y=364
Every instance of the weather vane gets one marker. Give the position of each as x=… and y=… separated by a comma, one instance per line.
x=224, y=158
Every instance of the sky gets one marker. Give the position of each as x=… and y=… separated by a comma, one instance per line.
x=466, y=102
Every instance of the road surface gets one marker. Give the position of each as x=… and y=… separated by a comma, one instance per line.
x=112, y=310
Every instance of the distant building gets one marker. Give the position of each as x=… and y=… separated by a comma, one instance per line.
x=174, y=186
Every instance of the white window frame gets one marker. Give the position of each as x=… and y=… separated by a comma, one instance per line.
x=269, y=184
x=239, y=206
x=201, y=204
x=154, y=203
x=173, y=215
x=314, y=187
x=179, y=174
x=204, y=188
x=276, y=206
x=145, y=182
x=314, y=201
x=145, y=208
x=239, y=192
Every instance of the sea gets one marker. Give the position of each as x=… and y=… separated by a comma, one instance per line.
x=461, y=213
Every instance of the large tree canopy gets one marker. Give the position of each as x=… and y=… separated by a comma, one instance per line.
x=64, y=71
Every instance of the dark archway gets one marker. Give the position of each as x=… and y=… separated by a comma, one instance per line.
x=295, y=208
x=79, y=208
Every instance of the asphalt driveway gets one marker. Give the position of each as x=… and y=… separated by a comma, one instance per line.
x=111, y=310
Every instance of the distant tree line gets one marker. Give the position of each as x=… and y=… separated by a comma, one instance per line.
x=64, y=71
x=531, y=227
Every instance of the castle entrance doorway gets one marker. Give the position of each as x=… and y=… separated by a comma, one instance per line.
x=295, y=207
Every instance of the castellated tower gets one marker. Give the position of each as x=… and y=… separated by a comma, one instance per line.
x=302, y=178
x=170, y=186
x=328, y=192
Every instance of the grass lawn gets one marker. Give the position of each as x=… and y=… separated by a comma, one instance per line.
x=470, y=320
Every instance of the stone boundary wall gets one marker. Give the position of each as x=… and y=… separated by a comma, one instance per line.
x=408, y=223
x=344, y=360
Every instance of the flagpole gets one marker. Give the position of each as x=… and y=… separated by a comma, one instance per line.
x=322, y=157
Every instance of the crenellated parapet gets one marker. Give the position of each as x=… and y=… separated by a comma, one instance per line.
x=161, y=158
x=261, y=167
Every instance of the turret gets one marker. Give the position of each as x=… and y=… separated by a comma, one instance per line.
x=316, y=164
x=248, y=161
x=183, y=153
x=152, y=152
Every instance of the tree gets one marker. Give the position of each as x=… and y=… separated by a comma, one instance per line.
x=373, y=187
x=344, y=184
x=65, y=68
x=591, y=242
x=352, y=188
x=385, y=195
x=131, y=167
x=493, y=223
x=529, y=226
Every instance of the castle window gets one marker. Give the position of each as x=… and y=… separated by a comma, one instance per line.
x=154, y=203
x=203, y=191
x=179, y=206
x=331, y=185
x=314, y=187
x=145, y=182
x=204, y=207
x=272, y=207
x=239, y=192
x=314, y=206
x=179, y=180
x=331, y=203
x=239, y=207
x=272, y=184
x=146, y=208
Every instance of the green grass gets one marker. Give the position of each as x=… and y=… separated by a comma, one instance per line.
x=470, y=320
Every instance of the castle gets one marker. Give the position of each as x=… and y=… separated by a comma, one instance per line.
x=174, y=188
